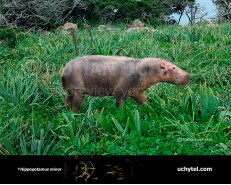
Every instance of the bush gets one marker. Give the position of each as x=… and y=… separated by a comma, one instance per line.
x=8, y=37
x=37, y=13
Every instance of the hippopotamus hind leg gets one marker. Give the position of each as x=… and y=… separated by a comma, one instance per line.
x=77, y=100
x=74, y=98
x=68, y=97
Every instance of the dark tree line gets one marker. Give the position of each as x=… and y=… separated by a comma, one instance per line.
x=52, y=13
x=154, y=12
x=48, y=13
x=223, y=10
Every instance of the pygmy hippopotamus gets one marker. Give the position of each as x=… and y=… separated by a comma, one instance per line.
x=117, y=76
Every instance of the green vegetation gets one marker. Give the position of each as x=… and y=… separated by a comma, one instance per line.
x=147, y=10
x=48, y=15
x=9, y=37
x=177, y=120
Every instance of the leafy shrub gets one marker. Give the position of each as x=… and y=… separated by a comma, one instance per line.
x=10, y=37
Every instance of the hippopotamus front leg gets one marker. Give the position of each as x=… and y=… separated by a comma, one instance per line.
x=120, y=95
x=139, y=98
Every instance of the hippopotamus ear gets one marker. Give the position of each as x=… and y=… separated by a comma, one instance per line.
x=163, y=65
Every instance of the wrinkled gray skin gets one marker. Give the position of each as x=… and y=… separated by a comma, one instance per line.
x=121, y=77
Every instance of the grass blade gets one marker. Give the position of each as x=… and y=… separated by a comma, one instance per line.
x=137, y=122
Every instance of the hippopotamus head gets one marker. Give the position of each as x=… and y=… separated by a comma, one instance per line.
x=170, y=73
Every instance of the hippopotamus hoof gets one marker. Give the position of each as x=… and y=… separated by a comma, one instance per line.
x=121, y=77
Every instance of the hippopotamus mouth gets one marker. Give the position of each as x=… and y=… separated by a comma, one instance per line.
x=183, y=81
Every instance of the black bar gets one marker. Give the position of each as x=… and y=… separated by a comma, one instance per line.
x=114, y=169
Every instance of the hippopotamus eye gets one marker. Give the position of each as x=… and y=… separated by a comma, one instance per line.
x=173, y=69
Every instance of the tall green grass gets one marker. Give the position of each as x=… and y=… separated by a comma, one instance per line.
x=190, y=120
